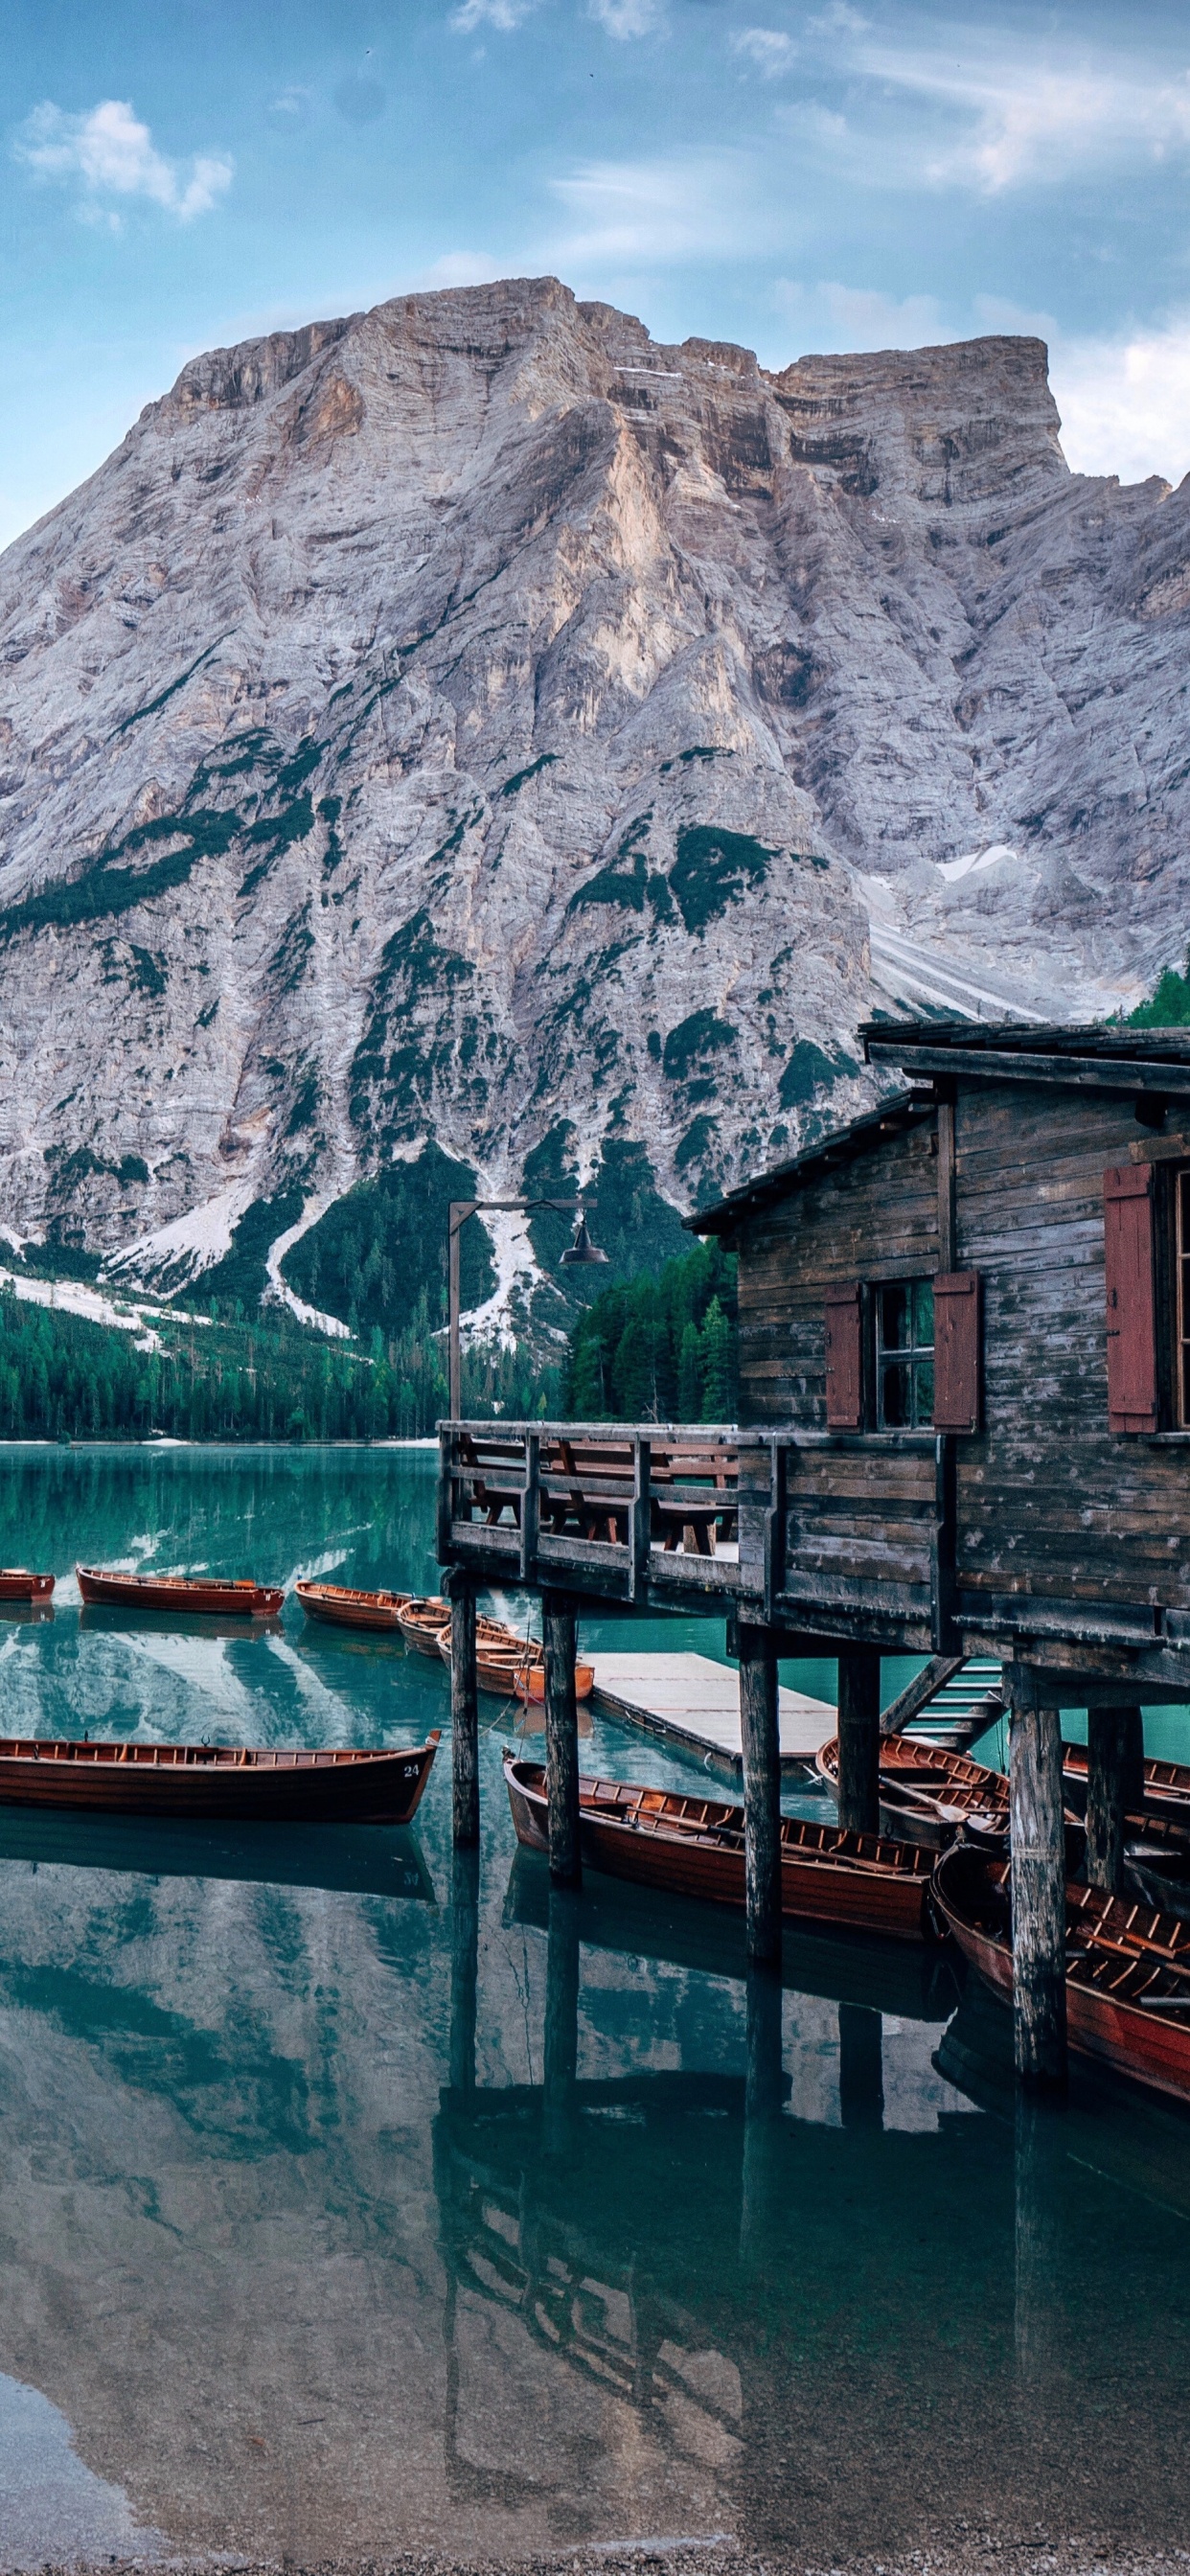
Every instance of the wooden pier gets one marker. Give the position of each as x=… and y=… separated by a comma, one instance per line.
x=691, y=1702
x=976, y=1449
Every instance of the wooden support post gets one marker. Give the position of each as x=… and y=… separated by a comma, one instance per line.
x=859, y=1739
x=760, y=1737
x=760, y=2197
x=1040, y=2270
x=464, y=1971
x=560, y=2071
x=464, y=1714
x=1115, y=1788
x=1038, y=1882
x=861, y=2067
x=561, y=1738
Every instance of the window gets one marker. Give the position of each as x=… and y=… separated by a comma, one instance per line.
x=1182, y=1357
x=905, y=1350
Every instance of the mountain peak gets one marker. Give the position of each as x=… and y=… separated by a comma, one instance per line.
x=471, y=722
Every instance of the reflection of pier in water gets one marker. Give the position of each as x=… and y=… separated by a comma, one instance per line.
x=860, y=2332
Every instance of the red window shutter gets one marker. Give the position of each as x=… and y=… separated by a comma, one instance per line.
x=1131, y=1298
x=957, y=1372
x=844, y=1359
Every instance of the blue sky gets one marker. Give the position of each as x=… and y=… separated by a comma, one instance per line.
x=181, y=173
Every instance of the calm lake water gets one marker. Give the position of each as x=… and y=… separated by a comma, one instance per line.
x=356, y=2202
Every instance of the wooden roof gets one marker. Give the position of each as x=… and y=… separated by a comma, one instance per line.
x=1095, y=1058
x=901, y=1110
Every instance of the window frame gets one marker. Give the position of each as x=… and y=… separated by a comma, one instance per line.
x=912, y=1357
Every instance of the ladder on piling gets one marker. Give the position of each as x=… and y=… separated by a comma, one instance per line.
x=949, y=1703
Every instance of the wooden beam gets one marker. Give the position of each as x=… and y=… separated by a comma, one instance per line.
x=859, y=1739
x=464, y=1714
x=1115, y=1784
x=1073, y=1072
x=760, y=1739
x=1038, y=1844
x=561, y=1737
x=947, y=1228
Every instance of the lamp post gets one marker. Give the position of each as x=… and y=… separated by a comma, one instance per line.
x=581, y=1254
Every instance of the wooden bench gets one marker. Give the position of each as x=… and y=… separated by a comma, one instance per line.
x=701, y=1501
x=586, y=1489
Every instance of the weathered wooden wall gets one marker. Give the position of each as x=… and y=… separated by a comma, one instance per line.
x=1051, y=1503
x=1050, y=1500
x=876, y=1216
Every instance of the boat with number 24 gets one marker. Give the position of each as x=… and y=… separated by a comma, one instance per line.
x=337, y=1785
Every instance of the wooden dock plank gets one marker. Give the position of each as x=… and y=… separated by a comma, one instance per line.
x=690, y=1701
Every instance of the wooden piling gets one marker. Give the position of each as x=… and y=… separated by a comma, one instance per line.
x=859, y=1738
x=1038, y=1883
x=760, y=1739
x=464, y=1715
x=761, y=2207
x=560, y=2054
x=464, y=1970
x=861, y=2067
x=1115, y=1785
x=561, y=1738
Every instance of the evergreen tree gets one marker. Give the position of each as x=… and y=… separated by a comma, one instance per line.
x=714, y=1354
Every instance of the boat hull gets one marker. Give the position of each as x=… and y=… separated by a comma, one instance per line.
x=16, y=1584
x=106, y=1591
x=421, y=1625
x=1166, y=1789
x=217, y=1783
x=1152, y=2048
x=892, y=1901
x=341, y=1608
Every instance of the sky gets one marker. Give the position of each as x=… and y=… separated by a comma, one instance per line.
x=180, y=174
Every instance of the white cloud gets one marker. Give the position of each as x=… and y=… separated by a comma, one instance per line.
x=503, y=14
x=658, y=210
x=1030, y=113
x=113, y=154
x=462, y=268
x=859, y=317
x=627, y=18
x=766, y=47
x=1125, y=402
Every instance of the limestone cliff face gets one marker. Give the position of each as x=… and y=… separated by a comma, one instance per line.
x=470, y=717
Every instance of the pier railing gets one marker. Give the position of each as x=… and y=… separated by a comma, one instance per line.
x=617, y=1509
x=842, y=1534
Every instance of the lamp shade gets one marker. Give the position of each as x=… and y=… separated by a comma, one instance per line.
x=582, y=1253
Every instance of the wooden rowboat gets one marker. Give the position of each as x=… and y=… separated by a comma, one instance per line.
x=529, y=1682
x=694, y=1846
x=17, y=1584
x=239, y=1600
x=494, y=1639
x=1166, y=1789
x=927, y=1793
x=345, y=1608
x=1127, y=1967
x=337, y=1786
x=421, y=1622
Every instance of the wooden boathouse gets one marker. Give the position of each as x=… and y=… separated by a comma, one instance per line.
x=965, y=1430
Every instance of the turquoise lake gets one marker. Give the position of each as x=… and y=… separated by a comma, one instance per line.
x=356, y=2200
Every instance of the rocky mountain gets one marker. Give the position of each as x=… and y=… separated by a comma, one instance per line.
x=472, y=739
